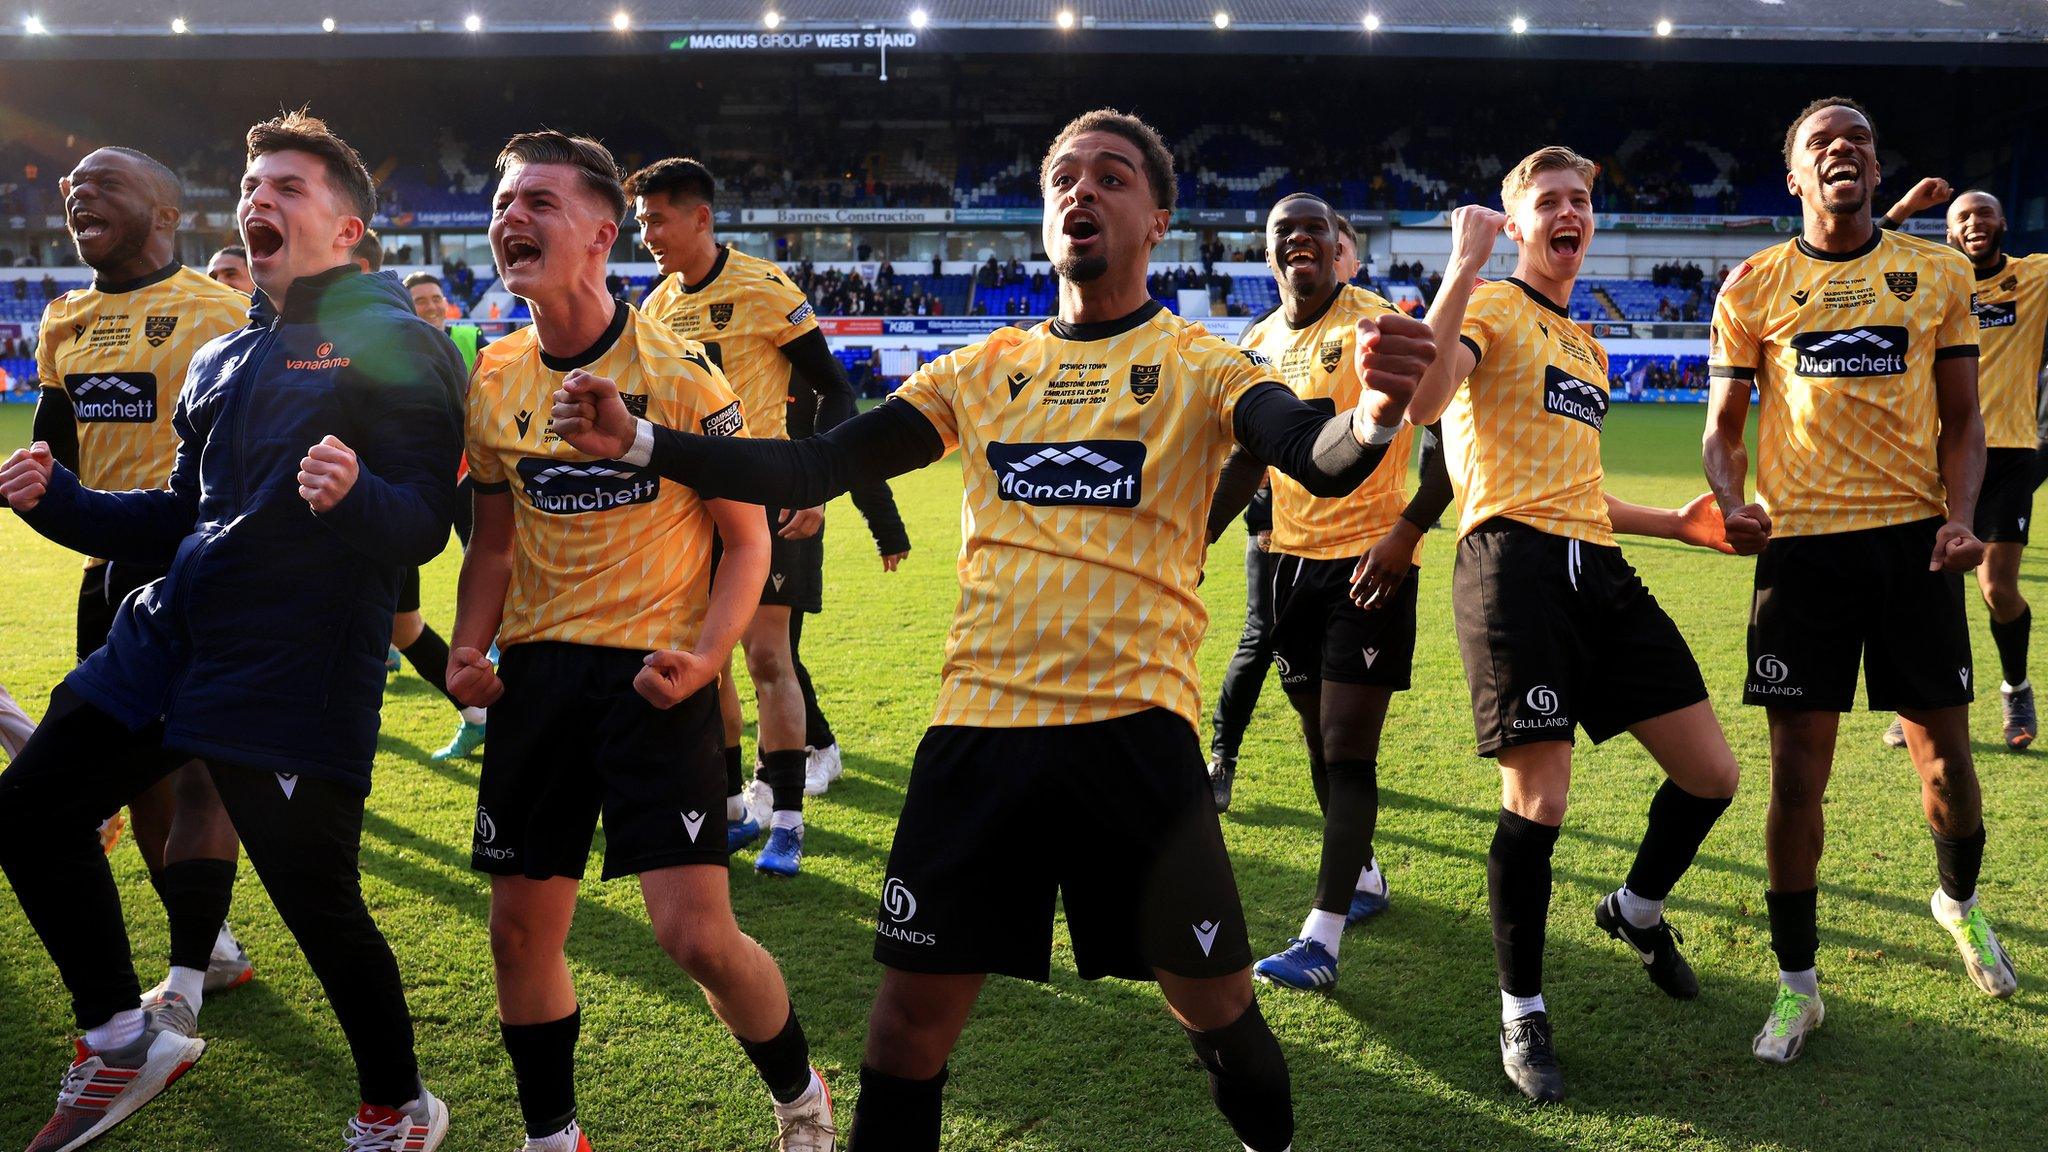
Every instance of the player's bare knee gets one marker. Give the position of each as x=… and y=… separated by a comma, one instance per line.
x=406, y=628
x=697, y=946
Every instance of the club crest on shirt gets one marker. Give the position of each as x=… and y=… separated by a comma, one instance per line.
x=1902, y=284
x=1144, y=382
x=157, y=329
x=2010, y=283
x=635, y=402
x=721, y=315
x=1331, y=354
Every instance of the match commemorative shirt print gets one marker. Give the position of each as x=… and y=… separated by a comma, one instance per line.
x=605, y=553
x=1522, y=434
x=1089, y=465
x=1842, y=349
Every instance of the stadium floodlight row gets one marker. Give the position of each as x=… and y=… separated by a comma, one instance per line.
x=1993, y=20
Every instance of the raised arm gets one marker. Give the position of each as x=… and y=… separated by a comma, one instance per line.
x=887, y=440
x=814, y=370
x=143, y=526
x=1473, y=231
x=1332, y=455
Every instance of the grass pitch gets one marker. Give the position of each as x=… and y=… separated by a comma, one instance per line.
x=1400, y=1056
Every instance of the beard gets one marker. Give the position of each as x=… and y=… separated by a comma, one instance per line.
x=1850, y=207
x=1080, y=269
x=1996, y=243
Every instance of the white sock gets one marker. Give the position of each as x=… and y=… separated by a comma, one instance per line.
x=1513, y=1008
x=786, y=818
x=123, y=1029
x=563, y=1141
x=224, y=942
x=187, y=982
x=1952, y=911
x=1325, y=928
x=1370, y=880
x=804, y=1104
x=1249, y=1148
x=473, y=715
x=2009, y=689
x=1805, y=983
x=736, y=808
x=1638, y=911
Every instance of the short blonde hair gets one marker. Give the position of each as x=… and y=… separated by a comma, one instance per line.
x=1554, y=158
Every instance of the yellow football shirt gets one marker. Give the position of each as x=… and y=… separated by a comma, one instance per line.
x=1842, y=348
x=1318, y=361
x=1522, y=433
x=120, y=352
x=743, y=314
x=606, y=554
x=2012, y=335
x=1089, y=455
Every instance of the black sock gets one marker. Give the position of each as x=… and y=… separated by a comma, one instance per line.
x=1679, y=821
x=1959, y=862
x=1518, y=896
x=1248, y=1079
x=735, y=776
x=1795, y=928
x=784, y=774
x=896, y=1115
x=1348, y=820
x=783, y=1062
x=196, y=895
x=2011, y=639
x=817, y=731
x=544, y=1066
x=428, y=656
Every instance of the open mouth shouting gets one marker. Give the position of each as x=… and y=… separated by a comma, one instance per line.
x=1300, y=257
x=521, y=253
x=88, y=225
x=1566, y=241
x=1838, y=175
x=261, y=237
x=1082, y=230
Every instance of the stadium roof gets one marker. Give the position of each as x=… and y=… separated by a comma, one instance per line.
x=1993, y=29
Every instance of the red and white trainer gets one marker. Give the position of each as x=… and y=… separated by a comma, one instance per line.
x=101, y=1089
x=420, y=1126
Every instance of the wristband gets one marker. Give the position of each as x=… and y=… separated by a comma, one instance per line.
x=643, y=446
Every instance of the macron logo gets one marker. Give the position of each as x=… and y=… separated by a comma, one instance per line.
x=1205, y=935
x=288, y=782
x=692, y=822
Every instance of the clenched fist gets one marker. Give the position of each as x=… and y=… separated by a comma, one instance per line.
x=1474, y=229
x=671, y=677
x=26, y=476
x=326, y=474
x=472, y=679
x=1393, y=353
x=590, y=416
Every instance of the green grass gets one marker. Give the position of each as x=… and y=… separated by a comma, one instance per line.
x=1401, y=1056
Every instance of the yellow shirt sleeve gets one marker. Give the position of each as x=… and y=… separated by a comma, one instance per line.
x=1733, y=345
x=1959, y=313
x=46, y=356
x=1483, y=317
x=789, y=302
x=485, y=468
x=930, y=391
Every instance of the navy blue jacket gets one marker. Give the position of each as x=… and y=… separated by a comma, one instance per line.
x=264, y=644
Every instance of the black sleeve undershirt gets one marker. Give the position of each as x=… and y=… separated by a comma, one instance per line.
x=1433, y=493
x=56, y=423
x=1318, y=451
x=887, y=440
x=823, y=399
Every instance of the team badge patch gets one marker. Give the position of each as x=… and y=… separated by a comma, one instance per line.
x=721, y=315
x=1902, y=284
x=1331, y=354
x=1144, y=382
x=157, y=329
x=635, y=402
